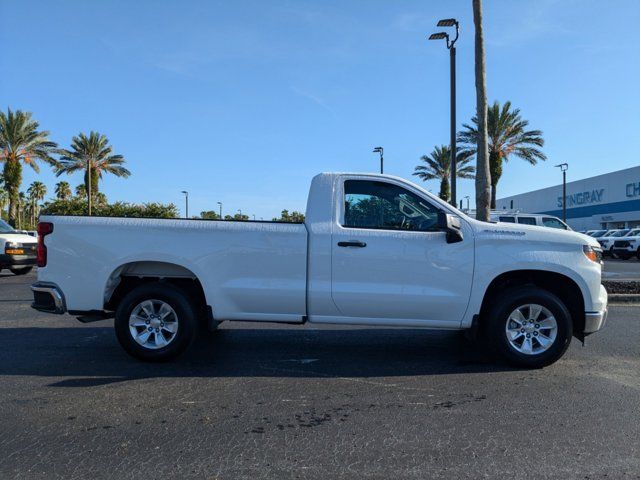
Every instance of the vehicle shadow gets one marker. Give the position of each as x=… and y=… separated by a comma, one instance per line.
x=90, y=355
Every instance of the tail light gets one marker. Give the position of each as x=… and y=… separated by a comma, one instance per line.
x=44, y=229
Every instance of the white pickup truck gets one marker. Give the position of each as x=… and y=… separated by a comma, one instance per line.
x=373, y=250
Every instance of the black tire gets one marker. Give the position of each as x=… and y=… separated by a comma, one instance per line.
x=21, y=271
x=496, y=322
x=624, y=256
x=178, y=300
x=638, y=254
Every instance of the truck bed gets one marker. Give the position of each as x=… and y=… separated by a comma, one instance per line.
x=249, y=270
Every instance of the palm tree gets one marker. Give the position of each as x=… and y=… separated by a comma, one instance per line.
x=21, y=203
x=438, y=167
x=4, y=198
x=36, y=192
x=93, y=155
x=81, y=190
x=483, y=174
x=508, y=135
x=63, y=190
x=21, y=141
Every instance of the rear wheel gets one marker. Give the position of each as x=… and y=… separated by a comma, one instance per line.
x=624, y=256
x=155, y=322
x=529, y=327
x=21, y=271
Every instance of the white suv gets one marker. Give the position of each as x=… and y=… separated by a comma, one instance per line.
x=606, y=241
x=628, y=245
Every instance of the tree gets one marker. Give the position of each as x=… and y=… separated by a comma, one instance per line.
x=293, y=217
x=36, y=193
x=93, y=155
x=209, y=215
x=4, y=198
x=438, y=167
x=21, y=142
x=81, y=190
x=237, y=217
x=483, y=175
x=508, y=135
x=77, y=206
x=63, y=190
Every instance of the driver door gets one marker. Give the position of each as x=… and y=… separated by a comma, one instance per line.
x=390, y=262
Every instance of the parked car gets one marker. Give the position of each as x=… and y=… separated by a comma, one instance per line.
x=596, y=233
x=529, y=219
x=607, y=240
x=373, y=250
x=628, y=245
x=17, y=250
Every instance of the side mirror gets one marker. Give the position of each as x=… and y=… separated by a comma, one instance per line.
x=451, y=225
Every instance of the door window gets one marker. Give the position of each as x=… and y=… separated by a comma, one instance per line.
x=381, y=205
x=507, y=219
x=527, y=220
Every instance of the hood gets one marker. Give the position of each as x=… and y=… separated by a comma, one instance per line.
x=530, y=232
x=16, y=237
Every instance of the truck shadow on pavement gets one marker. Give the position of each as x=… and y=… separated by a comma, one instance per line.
x=91, y=356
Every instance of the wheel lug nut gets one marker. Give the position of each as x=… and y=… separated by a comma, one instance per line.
x=537, y=325
x=528, y=335
x=535, y=334
x=150, y=328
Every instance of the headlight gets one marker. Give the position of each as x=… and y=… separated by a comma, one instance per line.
x=12, y=245
x=592, y=253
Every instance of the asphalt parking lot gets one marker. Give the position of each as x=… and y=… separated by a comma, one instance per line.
x=256, y=401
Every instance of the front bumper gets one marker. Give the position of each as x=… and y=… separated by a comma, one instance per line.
x=17, y=260
x=594, y=321
x=47, y=297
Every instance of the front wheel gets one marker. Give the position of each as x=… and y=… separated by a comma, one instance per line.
x=155, y=322
x=529, y=327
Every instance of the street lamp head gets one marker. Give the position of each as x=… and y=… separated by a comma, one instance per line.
x=185, y=192
x=447, y=22
x=377, y=150
x=439, y=36
x=219, y=203
x=563, y=166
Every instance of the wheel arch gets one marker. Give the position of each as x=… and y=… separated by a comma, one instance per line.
x=563, y=286
x=129, y=275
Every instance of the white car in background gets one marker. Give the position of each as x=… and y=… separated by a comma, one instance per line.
x=530, y=219
x=628, y=245
x=17, y=250
x=606, y=241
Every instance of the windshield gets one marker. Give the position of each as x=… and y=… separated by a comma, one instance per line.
x=621, y=233
x=634, y=233
x=598, y=233
x=5, y=227
x=610, y=233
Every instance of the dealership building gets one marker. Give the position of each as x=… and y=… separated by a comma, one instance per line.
x=611, y=200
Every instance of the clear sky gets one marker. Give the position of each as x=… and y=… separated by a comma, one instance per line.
x=244, y=101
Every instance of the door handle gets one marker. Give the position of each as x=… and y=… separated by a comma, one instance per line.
x=352, y=244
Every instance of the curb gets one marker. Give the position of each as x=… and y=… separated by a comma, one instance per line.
x=624, y=298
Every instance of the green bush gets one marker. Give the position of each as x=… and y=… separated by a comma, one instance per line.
x=78, y=206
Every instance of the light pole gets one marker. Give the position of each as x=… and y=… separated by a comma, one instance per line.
x=563, y=168
x=451, y=22
x=467, y=197
x=220, y=203
x=186, y=203
x=240, y=212
x=380, y=150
